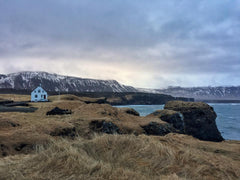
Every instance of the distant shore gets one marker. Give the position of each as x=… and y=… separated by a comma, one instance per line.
x=117, y=98
x=217, y=100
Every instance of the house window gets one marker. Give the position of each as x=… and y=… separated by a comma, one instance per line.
x=39, y=91
x=36, y=96
x=35, y=91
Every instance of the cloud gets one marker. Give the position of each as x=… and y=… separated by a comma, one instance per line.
x=140, y=43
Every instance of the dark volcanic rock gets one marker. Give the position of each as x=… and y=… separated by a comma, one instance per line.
x=58, y=111
x=199, y=119
x=130, y=111
x=105, y=127
x=154, y=128
x=172, y=117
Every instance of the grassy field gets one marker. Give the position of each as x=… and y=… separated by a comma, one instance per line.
x=32, y=152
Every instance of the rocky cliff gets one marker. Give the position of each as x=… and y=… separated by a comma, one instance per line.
x=199, y=119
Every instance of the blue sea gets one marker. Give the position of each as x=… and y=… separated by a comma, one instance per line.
x=228, y=117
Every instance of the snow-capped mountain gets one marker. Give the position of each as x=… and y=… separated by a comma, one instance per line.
x=221, y=92
x=53, y=82
x=28, y=80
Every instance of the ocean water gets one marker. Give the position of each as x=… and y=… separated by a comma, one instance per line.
x=228, y=117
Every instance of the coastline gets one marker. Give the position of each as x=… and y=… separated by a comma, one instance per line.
x=225, y=122
x=218, y=100
x=98, y=137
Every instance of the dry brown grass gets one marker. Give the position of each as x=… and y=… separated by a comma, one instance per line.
x=89, y=156
x=118, y=157
x=15, y=97
x=63, y=97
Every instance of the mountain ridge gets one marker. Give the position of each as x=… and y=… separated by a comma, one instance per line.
x=204, y=93
x=52, y=82
x=28, y=80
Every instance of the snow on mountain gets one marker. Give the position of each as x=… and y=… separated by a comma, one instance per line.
x=221, y=92
x=28, y=80
x=53, y=82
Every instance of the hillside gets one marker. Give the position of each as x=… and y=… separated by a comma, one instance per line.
x=98, y=141
x=54, y=83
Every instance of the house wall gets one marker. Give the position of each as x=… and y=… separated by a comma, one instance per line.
x=38, y=95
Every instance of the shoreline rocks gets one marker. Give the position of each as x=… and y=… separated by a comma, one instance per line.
x=172, y=117
x=199, y=119
x=159, y=129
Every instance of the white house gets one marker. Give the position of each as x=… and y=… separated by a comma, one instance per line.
x=39, y=94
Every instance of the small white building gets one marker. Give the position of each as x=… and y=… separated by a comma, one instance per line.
x=39, y=95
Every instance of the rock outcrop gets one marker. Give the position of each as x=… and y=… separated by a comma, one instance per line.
x=58, y=111
x=172, y=117
x=159, y=129
x=199, y=119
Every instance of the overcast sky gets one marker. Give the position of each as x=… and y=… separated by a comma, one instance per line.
x=143, y=43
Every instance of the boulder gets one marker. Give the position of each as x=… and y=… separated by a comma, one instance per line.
x=172, y=117
x=58, y=111
x=199, y=119
x=104, y=127
x=129, y=111
x=159, y=129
